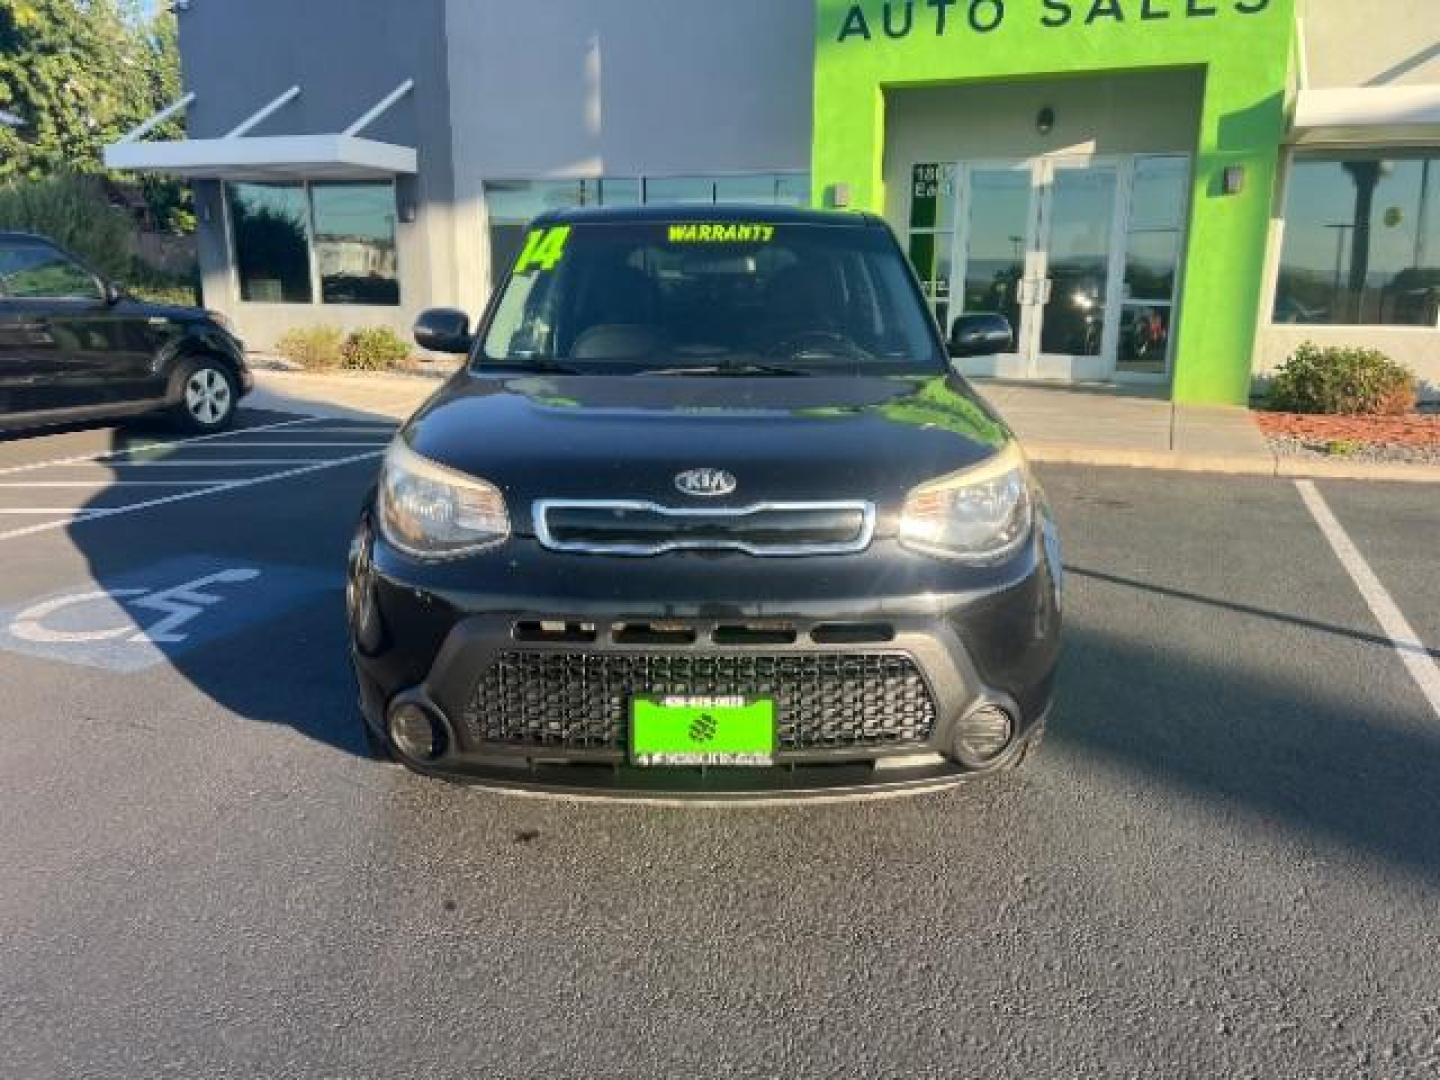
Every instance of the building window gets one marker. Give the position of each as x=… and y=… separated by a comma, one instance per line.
x=932, y=234
x=355, y=243
x=1153, y=237
x=1362, y=242
x=512, y=204
x=272, y=243
x=296, y=241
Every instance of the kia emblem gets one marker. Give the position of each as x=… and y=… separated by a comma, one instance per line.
x=706, y=483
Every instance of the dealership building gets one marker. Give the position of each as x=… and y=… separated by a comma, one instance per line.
x=1173, y=193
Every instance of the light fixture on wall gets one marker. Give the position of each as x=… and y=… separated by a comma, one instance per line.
x=1045, y=120
x=839, y=196
x=1234, y=181
x=406, y=202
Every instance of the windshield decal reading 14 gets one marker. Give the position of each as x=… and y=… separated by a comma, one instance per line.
x=544, y=248
x=721, y=233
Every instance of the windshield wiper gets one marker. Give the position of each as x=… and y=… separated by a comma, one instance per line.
x=728, y=369
x=546, y=367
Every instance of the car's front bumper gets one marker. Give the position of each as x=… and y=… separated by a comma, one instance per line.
x=429, y=635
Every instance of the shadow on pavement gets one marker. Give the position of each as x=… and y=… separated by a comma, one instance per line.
x=1262, y=741
x=1240, y=609
x=1269, y=747
x=279, y=653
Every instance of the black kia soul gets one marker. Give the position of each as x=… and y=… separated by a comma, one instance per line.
x=707, y=513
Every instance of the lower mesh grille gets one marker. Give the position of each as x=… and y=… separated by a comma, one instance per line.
x=580, y=700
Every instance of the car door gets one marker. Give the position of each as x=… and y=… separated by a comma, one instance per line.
x=28, y=370
x=65, y=347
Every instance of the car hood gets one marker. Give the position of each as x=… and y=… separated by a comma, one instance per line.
x=627, y=437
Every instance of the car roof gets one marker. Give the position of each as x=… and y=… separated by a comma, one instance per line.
x=659, y=213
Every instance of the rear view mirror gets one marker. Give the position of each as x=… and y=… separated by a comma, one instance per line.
x=443, y=330
x=981, y=334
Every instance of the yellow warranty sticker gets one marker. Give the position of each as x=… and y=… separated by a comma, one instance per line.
x=721, y=232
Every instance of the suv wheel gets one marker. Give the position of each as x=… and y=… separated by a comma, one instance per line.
x=208, y=396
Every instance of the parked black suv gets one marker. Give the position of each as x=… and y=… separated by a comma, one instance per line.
x=708, y=513
x=75, y=347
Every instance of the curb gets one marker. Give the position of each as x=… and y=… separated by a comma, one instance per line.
x=1269, y=465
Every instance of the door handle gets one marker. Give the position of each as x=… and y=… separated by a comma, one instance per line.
x=1047, y=289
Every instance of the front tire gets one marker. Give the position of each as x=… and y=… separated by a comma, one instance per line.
x=208, y=397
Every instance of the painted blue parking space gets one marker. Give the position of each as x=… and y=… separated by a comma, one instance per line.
x=138, y=620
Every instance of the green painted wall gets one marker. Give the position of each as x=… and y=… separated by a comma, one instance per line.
x=1244, y=46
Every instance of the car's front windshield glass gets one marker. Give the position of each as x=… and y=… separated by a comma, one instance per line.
x=710, y=297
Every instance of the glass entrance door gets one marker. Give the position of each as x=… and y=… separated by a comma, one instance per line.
x=1076, y=268
x=998, y=262
x=1081, y=254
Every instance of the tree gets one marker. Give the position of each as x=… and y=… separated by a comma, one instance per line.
x=80, y=74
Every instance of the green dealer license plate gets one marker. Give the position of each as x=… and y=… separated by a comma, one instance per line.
x=699, y=730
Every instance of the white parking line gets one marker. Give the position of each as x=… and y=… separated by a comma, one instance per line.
x=386, y=430
x=1403, y=638
x=150, y=504
x=46, y=510
x=241, y=445
x=203, y=465
x=103, y=484
x=80, y=458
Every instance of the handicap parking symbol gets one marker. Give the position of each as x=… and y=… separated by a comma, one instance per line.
x=140, y=619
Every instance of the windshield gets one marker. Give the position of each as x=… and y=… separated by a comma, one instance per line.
x=711, y=297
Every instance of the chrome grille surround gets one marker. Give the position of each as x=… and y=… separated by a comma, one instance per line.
x=864, y=535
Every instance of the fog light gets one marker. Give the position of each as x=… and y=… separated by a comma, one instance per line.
x=415, y=732
x=982, y=736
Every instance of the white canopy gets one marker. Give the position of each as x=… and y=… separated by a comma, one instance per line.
x=279, y=157
x=238, y=155
x=1368, y=115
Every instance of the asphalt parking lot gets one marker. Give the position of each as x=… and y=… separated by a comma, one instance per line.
x=1225, y=862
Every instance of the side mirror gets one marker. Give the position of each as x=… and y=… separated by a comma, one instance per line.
x=981, y=334
x=113, y=293
x=443, y=330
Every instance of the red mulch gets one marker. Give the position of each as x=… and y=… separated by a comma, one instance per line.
x=1417, y=429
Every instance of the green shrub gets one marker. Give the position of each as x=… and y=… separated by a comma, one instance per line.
x=74, y=212
x=314, y=348
x=1342, y=381
x=1344, y=447
x=377, y=349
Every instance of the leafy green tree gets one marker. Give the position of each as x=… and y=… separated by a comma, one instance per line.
x=71, y=210
x=81, y=73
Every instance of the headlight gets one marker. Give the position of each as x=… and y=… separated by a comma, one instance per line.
x=432, y=512
x=980, y=515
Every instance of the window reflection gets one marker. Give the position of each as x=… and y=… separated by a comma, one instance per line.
x=512, y=204
x=681, y=190
x=345, y=230
x=1144, y=337
x=1082, y=210
x=32, y=271
x=355, y=243
x=272, y=242
x=1362, y=242
x=1152, y=260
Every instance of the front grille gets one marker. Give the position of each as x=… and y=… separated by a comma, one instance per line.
x=617, y=527
x=580, y=700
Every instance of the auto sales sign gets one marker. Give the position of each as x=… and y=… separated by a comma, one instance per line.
x=898, y=19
